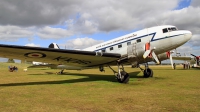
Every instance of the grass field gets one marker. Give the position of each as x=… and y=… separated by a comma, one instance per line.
x=41, y=90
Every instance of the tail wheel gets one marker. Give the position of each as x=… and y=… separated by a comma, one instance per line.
x=124, y=77
x=148, y=73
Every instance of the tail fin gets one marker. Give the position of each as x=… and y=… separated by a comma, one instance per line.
x=54, y=46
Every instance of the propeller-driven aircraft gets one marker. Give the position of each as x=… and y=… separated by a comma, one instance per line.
x=135, y=48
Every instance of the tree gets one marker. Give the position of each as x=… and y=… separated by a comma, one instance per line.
x=11, y=61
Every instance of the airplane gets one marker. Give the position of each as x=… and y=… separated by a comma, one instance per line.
x=135, y=48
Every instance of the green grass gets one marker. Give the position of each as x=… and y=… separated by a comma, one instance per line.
x=41, y=90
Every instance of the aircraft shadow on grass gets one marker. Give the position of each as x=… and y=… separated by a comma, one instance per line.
x=87, y=78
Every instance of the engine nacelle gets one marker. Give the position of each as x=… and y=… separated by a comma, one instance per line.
x=164, y=56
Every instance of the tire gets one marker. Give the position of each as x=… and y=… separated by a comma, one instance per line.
x=148, y=73
x=125, y=77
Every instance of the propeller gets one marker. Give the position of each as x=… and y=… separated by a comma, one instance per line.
x=151, y=52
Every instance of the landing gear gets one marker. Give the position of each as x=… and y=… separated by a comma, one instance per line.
x=101, y=69
x=61, y=72
x=121, y=75
x=147, y=71
x=124, y=78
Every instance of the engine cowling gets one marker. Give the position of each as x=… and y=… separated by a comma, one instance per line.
x=164, y=56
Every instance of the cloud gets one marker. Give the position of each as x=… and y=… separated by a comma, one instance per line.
x=33, y=45
x=36, y=12
x=86, y=18
x=191, y=47
x=53, y=33
x=109, y=15
x=83, y=26
x=28, y=18
x=195, y=3
x=186, y=18
x=186, y=50
x=13, y=33
x=81, y=43
x=115, y=15
x=194, y=42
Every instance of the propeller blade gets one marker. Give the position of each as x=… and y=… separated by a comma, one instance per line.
x=196, y=58
x=155, y=57
x=171, y=60
x=193, y=55
x=146, y=53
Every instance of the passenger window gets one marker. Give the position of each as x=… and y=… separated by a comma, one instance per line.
x=103, y=50
x=119, y=46
x=165, y=30
x=111, y=48
x=128, y=43
x=138, y=40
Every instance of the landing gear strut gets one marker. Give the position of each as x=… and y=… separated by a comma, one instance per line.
x=121, y=75
x=147, y=71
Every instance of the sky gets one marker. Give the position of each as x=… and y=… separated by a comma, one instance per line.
x=77, y=24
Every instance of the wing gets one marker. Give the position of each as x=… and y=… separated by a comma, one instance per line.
x=57, y=56
x=181, y=58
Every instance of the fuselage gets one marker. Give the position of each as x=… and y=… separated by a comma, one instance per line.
x=161, y=38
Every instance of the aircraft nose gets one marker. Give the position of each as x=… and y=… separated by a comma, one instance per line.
x=188, y=35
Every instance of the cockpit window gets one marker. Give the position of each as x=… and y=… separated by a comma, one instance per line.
x=174, y=28
x=169, y=29
x=165, y=30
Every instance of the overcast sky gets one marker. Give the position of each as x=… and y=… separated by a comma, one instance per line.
x=77, y=24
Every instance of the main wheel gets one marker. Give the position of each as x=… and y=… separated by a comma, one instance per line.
x=124, y=77
x=148, y=73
